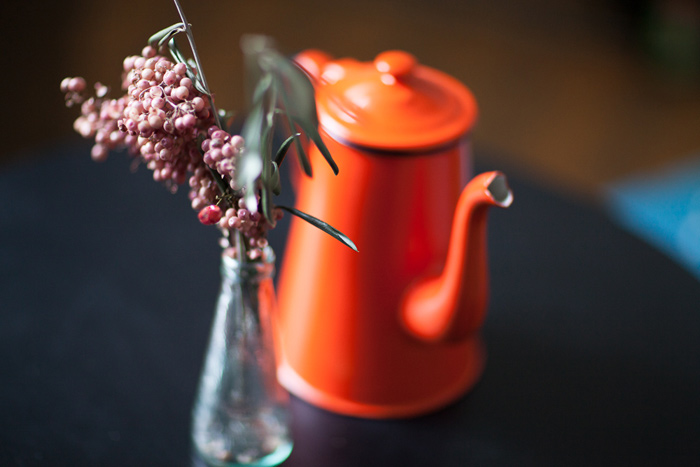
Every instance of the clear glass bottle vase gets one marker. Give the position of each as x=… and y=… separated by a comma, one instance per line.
x=241, y=413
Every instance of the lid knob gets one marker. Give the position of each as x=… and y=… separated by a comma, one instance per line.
x=396, y=63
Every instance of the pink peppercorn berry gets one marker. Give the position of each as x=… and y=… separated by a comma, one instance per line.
x=210, y=215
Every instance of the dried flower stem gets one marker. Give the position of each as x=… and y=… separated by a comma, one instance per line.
x=200, y=70
x=200, y=75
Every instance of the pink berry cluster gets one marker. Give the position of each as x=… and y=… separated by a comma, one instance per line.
x=160, y=117
x=252, y=225
x=203, y=189
x=99, y=117
x=167, y=122
x=166, y=113
x=220, y=152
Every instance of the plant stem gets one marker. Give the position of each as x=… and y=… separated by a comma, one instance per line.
x=200, y=73
x=236, y=240
x=193, y=47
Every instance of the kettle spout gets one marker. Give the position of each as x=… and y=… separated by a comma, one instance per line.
x=453, y=305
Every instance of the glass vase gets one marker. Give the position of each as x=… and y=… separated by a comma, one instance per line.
x=241, y=413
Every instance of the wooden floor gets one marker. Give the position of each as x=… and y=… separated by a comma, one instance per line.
x=566, y=93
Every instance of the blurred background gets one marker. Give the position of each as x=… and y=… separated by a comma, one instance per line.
x=573, y=93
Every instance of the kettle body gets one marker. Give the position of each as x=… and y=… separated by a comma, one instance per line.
x=346, y=343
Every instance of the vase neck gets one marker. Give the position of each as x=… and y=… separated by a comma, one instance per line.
x=236, y=269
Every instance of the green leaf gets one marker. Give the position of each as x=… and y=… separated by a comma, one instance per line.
x=177, y=55
x=199, y=86
x=287, y=107
x=282, y=151
x=301, y=153
x=250, y=163
x=261, y=89
x=271, y=110
x=164, y=35
x=175, y=52
x=318, y=223
x=265, y=151
x=313, y=134
x=298, y=102
x=253, y=45
x=267, y=174
x=275, y=181
x=264, y=63
x=266, y=204
x=296, y=89
x=271, y=185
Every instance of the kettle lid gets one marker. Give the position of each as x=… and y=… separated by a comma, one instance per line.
x=392, y=103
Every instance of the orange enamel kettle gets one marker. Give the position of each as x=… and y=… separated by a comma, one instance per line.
x=391, y=331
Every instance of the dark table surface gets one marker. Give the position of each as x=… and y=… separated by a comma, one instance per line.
x=108, y=290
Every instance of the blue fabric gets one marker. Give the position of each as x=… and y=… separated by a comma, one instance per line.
x=664, y=209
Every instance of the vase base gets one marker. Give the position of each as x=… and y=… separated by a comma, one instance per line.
x=200, y=459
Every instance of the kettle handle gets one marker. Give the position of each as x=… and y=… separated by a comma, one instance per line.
x=312, y=62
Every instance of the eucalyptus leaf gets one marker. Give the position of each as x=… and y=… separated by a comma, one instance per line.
x=300, y=103
x=266, y=203
x=312, y=132
x=252, y=128
x=199, y=86
x=318, y=223
x=282, y=151
x=249, y=196
x=175, y=52
x=267, y=173
x=266, y=148
x=271, y=110
x=249, y=165
x=253, y=46
x=177, y=55
x=275, y=181
x=289, y=84
x=301, y=152
x=295, y=87
x=277, y=85
x=164, y=35
x=249, y=168
x=261, y=89
x=262, y=59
